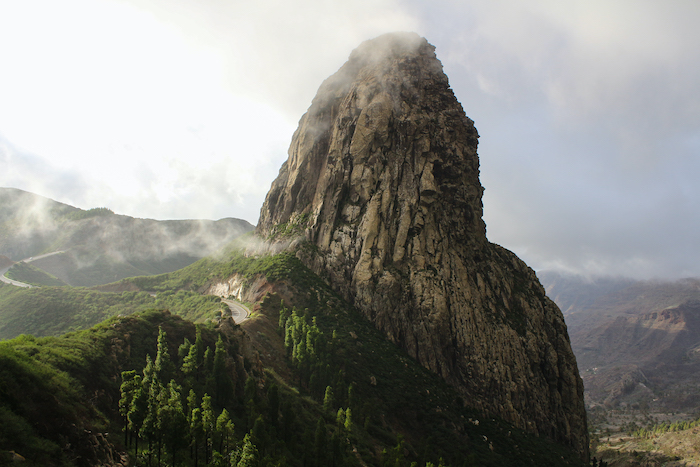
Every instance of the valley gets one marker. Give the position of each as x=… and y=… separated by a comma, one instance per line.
x=636, y=343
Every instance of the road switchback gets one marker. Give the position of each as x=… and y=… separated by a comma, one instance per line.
x=239, y=312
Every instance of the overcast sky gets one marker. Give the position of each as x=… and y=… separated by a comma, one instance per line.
x=588, y=111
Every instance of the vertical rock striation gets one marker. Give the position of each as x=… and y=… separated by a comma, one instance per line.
x=383, y=181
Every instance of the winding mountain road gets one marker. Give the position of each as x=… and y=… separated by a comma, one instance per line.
x=239, y=312
x=7, y=280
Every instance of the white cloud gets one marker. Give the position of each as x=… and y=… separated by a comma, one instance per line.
x=147, y=100
x=588, y=111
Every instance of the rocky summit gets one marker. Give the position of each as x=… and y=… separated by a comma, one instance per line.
x=381, y=196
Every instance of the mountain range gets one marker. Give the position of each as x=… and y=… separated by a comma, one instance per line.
x=637, y=342
x=96, y=246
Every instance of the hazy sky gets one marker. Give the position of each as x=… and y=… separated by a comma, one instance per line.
x=588, y=111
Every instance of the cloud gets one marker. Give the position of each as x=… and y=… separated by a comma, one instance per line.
x=164, y=100
x=589, y=118
x=280, y=51
x=588, y=111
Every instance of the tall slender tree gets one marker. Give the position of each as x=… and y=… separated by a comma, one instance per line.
x=222, y=381
x=196, y=432
x=249, y=453
x=328, y=402
x=137, y=414
x=208, y=425
x=172, y=420
x=224, y=429
x=163, y=367
x=130, y=381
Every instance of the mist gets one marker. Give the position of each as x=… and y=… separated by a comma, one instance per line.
x=588, y=112
x=99, y=246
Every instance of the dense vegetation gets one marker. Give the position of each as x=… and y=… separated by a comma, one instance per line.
x=665, y=427
x=52, y=311
x=309, y=383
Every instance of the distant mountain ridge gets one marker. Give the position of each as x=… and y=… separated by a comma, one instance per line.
x=100, y=246
x=635, y=341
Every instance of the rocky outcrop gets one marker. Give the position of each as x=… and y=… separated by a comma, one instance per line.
x=382, y=183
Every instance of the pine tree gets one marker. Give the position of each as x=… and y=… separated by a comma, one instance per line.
x=284, y=314
x=192, y=402
x=196, y=432
x=224, y=429
x=320, y=441
x=208, y=425
x=259, y=434
x=222, y=381
x=163, y=367
x=328, y=401
x=137, y=413
x=190, y=364
x=289, y=335
x=184, y=349
x=249, y=453
x=273, y=404
x=348, y=420
x=199, y=342
x=130, y=382
x=150, y=422
x=173, y=421
x=147, y=372
x=340, y=418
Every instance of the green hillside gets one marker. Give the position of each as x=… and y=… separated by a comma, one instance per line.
x=52, y=311
x=306, y=381
x=25, y=272
x=96, y=246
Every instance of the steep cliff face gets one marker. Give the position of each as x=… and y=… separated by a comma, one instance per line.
x=382, y=182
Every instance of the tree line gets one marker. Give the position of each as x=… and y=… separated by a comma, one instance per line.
x=191, y=410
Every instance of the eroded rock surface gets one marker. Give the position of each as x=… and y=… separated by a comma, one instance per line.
x=382, y=180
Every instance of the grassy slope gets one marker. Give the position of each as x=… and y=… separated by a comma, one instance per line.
x=24, y=272
x=52, y=311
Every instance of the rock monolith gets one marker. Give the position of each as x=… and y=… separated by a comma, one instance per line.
x=382, y=186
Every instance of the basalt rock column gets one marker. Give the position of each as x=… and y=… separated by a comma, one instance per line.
x=383, y=179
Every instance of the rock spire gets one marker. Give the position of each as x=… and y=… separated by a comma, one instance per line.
x=382, y=182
